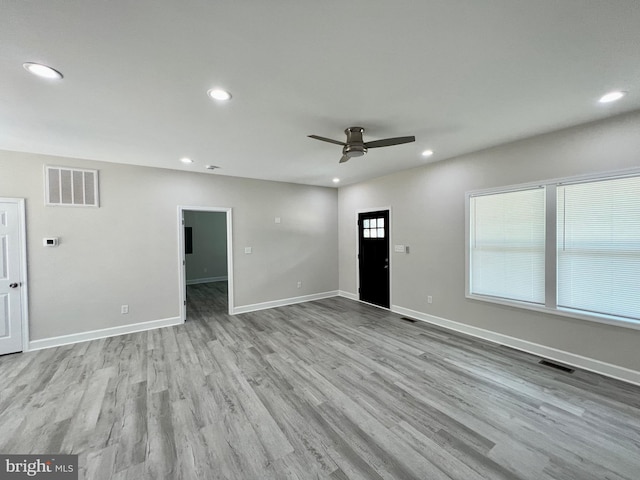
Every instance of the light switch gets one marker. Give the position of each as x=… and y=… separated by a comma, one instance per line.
x=277, y=219
x=247, y=249
x=399, y=248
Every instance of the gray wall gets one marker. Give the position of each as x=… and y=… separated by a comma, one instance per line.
x=126, y=251
x=209, y=237
x=428, y=206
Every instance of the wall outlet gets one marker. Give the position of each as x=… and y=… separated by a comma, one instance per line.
x=50, y=242
x=429, y=299
x=124, y=309
x=299, y=284
x=205, y=269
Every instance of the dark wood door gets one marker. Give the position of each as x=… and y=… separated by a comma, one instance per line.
x=373, y=257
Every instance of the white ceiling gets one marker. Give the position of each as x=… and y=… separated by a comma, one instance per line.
x=460, y=75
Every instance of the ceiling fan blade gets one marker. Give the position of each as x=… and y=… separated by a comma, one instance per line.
x=327, y=140
x=344, y=158
x=387, y=142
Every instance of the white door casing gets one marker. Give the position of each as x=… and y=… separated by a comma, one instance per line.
x=12, y=276
x=182, y=260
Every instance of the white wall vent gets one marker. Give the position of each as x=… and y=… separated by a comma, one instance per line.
x=73, y=187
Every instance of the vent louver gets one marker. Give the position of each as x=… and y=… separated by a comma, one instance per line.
x=548, y=363
x=72, y=187
x=407, y=319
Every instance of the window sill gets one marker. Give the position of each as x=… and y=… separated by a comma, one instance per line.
x=563, y=312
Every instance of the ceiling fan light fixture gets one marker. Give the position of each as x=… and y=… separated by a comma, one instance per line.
x=219, y=94
x=355, y=153
x=352, y=150
x=42, y=71
x=612, y=96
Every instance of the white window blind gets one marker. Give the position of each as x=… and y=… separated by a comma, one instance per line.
x=507, y=245
x=599, y=247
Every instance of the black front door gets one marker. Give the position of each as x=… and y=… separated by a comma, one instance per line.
x=373, y=257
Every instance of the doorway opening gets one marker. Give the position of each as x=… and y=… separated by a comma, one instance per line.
x=373, y=257
x=206, y=261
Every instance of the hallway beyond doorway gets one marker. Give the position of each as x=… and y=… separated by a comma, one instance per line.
x=206, y=300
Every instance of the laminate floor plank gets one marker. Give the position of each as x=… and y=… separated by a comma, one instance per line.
x=437, y=455
x=161, y=453
x=328, y=390
x=310, y=448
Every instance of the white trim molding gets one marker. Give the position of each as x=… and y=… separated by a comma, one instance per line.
x=352, y=296
x=195, y=281
x=182, y=295
x=285, y=301
x=568, y=358
x=349, y=295
x=102, y=333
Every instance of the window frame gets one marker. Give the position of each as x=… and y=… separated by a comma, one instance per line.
x=550, y=306
x=368, y=229
x=534, y=188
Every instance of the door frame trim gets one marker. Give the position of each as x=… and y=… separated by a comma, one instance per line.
x=24, y=287
x=367, y=210
x=182, y=260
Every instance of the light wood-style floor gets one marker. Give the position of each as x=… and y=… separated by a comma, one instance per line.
x=331, y=389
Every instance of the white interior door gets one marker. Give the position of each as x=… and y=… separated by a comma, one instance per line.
x=11, y=281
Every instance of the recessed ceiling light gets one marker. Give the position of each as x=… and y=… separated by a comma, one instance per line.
x=42, y=70
x=219, y=94
x=186, y=160
x=427, y=153
x=612, y=96
x=336, y=180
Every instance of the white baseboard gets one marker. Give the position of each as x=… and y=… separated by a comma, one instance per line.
x=285, y=301
x=352, y=296
x=568, y=358
x=102, y=333
x=349, y=295
x=195, y=281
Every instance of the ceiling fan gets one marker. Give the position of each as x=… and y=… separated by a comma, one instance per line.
x=356, y=147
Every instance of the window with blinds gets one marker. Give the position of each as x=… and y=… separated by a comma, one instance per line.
x=71, y=187
x=507, y=245
x=598, y=247
x=592, y=225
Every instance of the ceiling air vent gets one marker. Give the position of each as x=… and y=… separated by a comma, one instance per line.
x=72, y=187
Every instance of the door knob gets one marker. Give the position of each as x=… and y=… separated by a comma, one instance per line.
x=13, y=285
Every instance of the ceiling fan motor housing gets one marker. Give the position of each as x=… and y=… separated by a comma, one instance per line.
x=355, y=144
